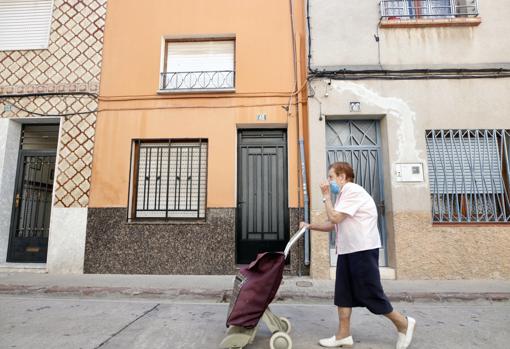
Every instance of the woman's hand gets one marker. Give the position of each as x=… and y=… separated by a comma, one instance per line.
x=303, y=224
x=326, y=193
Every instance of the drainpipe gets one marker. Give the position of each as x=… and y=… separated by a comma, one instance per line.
x=306, y=199
x=300, y=136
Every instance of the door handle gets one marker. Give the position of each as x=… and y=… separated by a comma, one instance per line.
x=17, y=200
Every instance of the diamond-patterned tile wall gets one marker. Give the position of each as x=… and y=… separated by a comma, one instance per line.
x=72, y=63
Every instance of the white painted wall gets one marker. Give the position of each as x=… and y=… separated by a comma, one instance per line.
x=343, y=36
x=66, y=244
x=10, y=133
x=407, y=109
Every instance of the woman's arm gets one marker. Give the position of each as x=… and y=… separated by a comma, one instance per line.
x=325, y=227
x=334, y=217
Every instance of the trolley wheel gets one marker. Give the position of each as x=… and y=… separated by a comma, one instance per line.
x=288, y=326
x=280, y=340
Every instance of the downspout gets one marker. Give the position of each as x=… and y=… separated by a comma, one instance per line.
x=300, y=139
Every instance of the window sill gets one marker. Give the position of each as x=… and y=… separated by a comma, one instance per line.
x=205, y=90
x=169, y=222
x=425, y=23
x=474, y=224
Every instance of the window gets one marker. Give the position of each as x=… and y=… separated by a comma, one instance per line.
x=169, y=180
x=198, y=65
x=25, y=24
x=412, y=9
x=469, y=175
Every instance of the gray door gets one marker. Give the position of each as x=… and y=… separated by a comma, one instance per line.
x=262, y=219
x=359, y=143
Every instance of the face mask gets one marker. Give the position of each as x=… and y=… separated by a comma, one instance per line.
x=334, y=187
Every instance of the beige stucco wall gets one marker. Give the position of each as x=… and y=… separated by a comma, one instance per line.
x=343, y=35
x=406, y=109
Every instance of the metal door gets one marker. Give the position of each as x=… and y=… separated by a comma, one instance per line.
x=28, y=238
x=359, y=143
x=262, y=218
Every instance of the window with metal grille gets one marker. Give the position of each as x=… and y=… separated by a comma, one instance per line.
x=412, y=9
x=198, y=65
x=469, y=175
x=169, y=179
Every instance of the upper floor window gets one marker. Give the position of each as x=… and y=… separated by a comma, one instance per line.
x=412, y=9
x=25, y=24
x=198, y=65
x=469, y=172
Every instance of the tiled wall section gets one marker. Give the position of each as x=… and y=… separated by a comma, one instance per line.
x=72, y=63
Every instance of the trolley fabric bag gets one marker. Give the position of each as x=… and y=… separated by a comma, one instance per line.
x=255, y=287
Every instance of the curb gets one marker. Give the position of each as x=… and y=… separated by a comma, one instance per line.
x=223, y=296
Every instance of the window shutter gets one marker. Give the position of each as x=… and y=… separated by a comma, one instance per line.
x=200, y=56
x=25, y=24
x=468, y=163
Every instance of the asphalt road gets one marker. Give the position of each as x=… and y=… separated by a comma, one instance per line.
x=46, y=323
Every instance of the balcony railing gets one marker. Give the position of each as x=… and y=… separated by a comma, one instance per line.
x=411, y=9
x=198, y=80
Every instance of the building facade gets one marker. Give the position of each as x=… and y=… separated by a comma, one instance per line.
x=415, y=95
x=50, y=60
x=197, y=166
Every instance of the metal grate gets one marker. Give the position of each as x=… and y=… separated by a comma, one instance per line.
x=170, y=180
x=34, y=202
x=469, y=175
x=197, y=80
x=358, y=142
x=396, y=9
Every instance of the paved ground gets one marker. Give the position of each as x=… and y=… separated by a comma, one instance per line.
x=43, y=322
x=216, y=288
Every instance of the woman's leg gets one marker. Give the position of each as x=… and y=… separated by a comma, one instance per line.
x=344, y=323
x=399, y=320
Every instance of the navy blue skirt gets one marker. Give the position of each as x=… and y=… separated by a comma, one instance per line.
x=358, y=282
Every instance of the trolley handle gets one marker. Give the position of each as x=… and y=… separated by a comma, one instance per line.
x=293, y=240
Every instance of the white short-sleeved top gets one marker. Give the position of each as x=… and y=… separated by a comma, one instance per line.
x=358, y=231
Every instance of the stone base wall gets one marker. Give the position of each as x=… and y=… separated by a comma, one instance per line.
x=114, y=246
x=426, y=251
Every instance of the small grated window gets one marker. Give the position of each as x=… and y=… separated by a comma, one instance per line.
x=170, y=180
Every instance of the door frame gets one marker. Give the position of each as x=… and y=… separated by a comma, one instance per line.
x=286, y=214
x=19, y=186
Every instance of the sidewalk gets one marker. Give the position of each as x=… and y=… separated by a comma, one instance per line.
x=217, y=288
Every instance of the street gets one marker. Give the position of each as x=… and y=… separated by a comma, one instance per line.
x=28, y=322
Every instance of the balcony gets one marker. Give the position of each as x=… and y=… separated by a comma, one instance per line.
x=428, y=9
x=223, y=80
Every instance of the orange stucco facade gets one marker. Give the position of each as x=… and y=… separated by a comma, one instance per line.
x=265, y=83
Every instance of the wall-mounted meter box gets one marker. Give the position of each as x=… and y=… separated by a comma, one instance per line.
x=409, y=172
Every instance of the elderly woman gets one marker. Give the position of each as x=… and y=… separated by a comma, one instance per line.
x=358, y=283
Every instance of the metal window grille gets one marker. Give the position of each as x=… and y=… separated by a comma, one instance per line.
x=409, y=9
x=170, y=180
x=197, y=80
x=469, y=175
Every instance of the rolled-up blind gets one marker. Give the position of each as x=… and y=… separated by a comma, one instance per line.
x=200, y=56
x=25, y=24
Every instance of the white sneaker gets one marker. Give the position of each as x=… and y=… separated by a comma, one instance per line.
x=404, y=340
x=332, y=342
